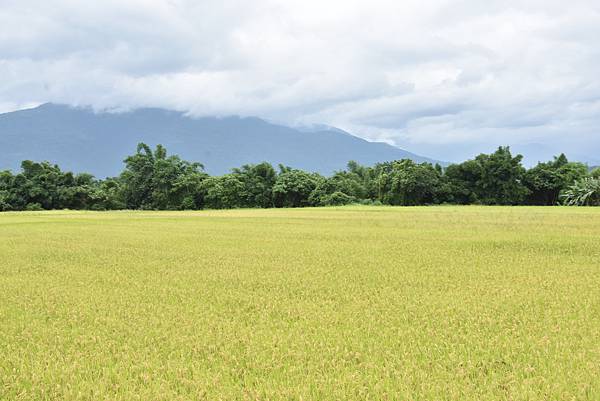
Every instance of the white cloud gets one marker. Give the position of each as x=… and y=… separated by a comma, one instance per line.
x=445, y=78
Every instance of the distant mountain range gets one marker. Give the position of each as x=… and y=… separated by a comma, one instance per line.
x=80, y=140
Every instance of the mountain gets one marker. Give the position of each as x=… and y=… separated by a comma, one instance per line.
x=80, y=140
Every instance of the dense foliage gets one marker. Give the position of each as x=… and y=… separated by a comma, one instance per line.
x=155, y=181
x=585, y=192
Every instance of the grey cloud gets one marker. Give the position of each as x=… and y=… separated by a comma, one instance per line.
x=444, y=78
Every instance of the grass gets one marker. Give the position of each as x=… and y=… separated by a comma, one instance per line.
x=370, y=303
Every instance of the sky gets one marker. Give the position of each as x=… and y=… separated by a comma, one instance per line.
x=443, y=78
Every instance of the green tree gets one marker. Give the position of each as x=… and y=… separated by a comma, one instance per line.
x=153, y=180
x=137, y=178
x=108, y=194
x=501, y=182
x=462, y=182
x=294, y=187
x=343, y=187
x=406, y=183
x=546, y=181
x=258, y=181
x=223, y=192
x=494, y=179
x=6, y=191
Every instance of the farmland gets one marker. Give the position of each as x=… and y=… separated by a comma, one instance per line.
x=444, y=303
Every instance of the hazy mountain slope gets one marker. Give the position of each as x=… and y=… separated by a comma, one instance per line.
x=81, y=140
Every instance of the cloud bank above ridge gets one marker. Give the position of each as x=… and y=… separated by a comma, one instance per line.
x=441, y=78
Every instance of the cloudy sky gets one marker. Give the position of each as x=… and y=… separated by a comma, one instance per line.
x=443, y=78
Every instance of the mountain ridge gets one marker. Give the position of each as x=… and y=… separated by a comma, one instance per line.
x=81, y=140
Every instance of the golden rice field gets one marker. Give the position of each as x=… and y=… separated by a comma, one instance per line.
x=354, y=303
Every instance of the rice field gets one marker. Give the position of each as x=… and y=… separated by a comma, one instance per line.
x=351, y=303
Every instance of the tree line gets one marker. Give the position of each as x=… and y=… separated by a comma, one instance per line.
x=154, y=180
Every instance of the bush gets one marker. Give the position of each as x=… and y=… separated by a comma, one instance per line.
x=337, y=199
x=34, y=207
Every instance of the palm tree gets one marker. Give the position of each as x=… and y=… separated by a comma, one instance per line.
x=584, y=192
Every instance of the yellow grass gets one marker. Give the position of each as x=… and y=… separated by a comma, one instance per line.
x=440, y=303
